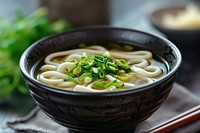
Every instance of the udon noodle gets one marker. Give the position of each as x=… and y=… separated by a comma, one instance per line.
x=97, y=69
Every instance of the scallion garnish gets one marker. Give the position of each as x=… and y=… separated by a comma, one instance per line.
x=70, y=74
x=93, y=67
x=99, y=58
x=85, y=78
x=71, y=79
x=101, y=73
x=123, y=65
x=110, y=84
x=100, y=84
x=119, y=84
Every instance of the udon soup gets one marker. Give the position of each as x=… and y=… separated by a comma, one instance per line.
x=101, y=69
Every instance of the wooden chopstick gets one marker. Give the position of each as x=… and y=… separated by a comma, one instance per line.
x=178, y=121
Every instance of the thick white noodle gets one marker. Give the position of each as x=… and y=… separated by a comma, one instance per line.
x=147, y=79
x=64, y=53
x=48, y=68
x=82, y=88
x=142, y=63
x=77, y=57
x=150, y=71
x=97, y=48
x=52, y=77
x=66, y=85
x=65, y=67
x=142, y=54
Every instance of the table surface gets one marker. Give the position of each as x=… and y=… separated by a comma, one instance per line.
x=189, y=74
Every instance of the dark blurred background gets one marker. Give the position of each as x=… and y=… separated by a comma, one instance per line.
x=90, y=12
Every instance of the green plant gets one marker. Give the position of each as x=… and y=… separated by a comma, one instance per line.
x=15, y=36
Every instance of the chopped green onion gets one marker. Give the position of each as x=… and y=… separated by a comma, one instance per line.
x=123, y=64
x=109, y=60
x=110, y=84
x=111, y=67
x=85, y=78
x=100, y=84
x=77, y=70
x=86, y=62
x=103, y=66
x=95, y=70
x=70, y=74
x=101, y=73
x=95, y=76
x=121, y=71
x=119, y=84
x=125, y=77
x=86, y=75
x=99, y=58
x=71, y=79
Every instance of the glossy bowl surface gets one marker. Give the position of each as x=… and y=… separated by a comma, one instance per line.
x=100, y=112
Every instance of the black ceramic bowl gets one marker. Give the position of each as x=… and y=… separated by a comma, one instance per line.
x=100, y=112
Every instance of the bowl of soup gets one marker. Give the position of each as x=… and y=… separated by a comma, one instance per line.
x=100, y=79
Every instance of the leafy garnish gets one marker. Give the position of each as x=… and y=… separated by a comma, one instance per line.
x=16, y=36
x=94, y=67
x=71, y=79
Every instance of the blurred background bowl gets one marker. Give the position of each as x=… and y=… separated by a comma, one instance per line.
x=180, y=37
x=100, y=112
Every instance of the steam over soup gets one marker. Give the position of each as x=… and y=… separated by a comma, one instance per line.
x=100, y=69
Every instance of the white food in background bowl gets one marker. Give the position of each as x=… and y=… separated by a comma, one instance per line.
x=189, y=18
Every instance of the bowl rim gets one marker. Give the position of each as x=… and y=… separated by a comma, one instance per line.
x=30, y=78
x=156, y=23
